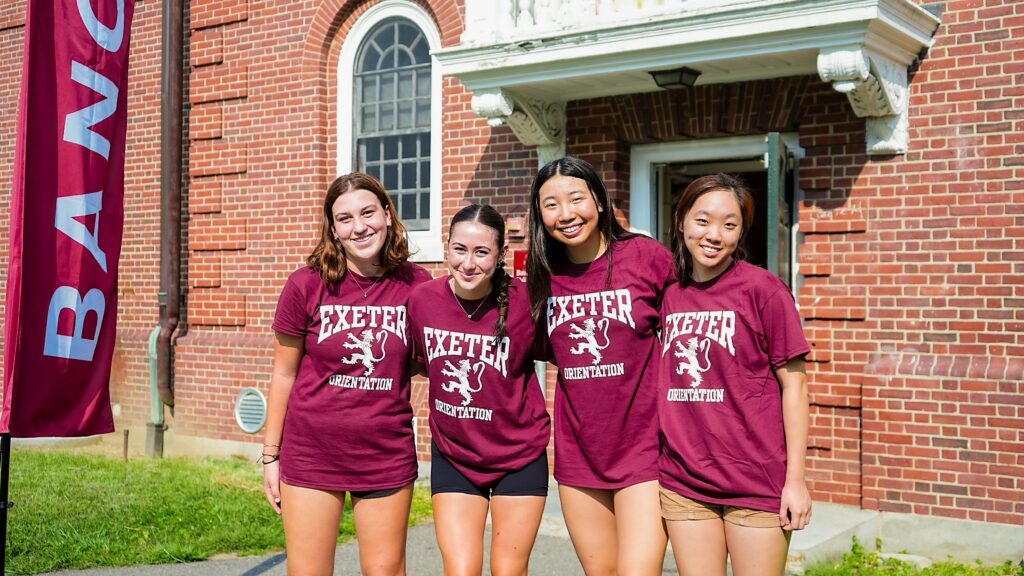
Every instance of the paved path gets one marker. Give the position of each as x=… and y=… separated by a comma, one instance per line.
x=552, y=556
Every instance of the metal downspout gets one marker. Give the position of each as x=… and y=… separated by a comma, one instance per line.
x=171, y=115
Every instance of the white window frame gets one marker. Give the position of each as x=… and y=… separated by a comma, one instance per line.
x=643, y=157
x=426, y=245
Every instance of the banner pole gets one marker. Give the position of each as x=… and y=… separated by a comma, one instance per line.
x=5, y=468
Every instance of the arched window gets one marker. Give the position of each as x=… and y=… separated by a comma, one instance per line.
x=392, y=116
x=389, y=114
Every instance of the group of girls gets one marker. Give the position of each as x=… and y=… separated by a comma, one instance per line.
x=680, y=411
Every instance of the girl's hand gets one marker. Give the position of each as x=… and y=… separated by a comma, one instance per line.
x=272, y=484
x=795, y=512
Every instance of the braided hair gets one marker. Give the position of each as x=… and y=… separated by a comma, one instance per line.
x=486, y=214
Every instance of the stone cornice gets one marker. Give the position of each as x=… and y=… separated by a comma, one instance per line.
x=535, y=122
x=877, y=90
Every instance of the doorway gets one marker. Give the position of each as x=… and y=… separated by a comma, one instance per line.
x=766, y=164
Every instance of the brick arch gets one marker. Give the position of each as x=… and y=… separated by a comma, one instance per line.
x=322, y=48
x=334, y=18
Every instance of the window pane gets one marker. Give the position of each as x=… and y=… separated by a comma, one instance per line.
x=425, y=174
x=391, y=147
x=409, y=146
x=423, y=82
x=404, y=58
x=405, y=79
x=422, y=113
x=387, y=87
x=387, y=117
x=372, y=152
x=369, y=119
x=390, y=179
x=404, y=114
x=370, y=59
x=421, y=51
x=369, y=88
x=408, y=210
x=408, y=34
x=424, y=145
x=409, y=175
x=425, y=205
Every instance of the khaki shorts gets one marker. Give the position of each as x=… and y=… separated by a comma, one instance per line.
x=677, y=507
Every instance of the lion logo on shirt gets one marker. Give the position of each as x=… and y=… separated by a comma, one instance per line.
x=461, y=374
x=364, y=348
x=689, y=362
x=588, y=333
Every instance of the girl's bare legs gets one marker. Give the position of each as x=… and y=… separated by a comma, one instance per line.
x=311, y=519
x=381, y=528
x=514, y=524
x=698, y=546
x=640, y=529
x=616, y=532
x=757, y=551
x=459, y=521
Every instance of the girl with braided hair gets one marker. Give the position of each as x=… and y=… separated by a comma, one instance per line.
x=473, y=332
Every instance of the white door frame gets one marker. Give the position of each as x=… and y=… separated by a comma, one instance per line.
x=643, y=157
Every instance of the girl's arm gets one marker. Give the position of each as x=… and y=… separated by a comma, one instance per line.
x=288, y=351
x=795, y=512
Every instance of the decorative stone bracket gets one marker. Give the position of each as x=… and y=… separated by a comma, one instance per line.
x=877, y=89
x=535, y=122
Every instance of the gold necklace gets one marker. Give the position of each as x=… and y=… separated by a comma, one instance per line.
x=468, y=314
x=359, y=284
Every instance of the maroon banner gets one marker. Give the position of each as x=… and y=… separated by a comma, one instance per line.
x=67, y=215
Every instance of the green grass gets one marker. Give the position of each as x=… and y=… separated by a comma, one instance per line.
x=76, y=511
x=862, y=562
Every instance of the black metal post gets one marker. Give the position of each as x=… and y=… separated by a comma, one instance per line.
x=5, y=468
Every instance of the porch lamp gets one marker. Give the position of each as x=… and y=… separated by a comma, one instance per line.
x=681, y=77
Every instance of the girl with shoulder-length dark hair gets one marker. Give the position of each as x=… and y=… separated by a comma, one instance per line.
x=595, y=289
x=339, y=416
x=473, y=332
x=733, y=401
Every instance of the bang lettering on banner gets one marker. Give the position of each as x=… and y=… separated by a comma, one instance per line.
x=62, y=276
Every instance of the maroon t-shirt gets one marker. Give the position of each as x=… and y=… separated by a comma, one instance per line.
x=487, y=413
x=602, y=337
x=720, y=404
x=349, y=419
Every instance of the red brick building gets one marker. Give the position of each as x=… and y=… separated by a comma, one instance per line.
x=886, y=137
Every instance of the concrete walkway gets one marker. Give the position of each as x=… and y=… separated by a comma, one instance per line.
x=553, y=555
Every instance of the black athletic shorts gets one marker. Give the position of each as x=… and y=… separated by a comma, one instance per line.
x=530, y=480
x=371, y=494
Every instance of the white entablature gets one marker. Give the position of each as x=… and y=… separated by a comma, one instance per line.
x=526, y=58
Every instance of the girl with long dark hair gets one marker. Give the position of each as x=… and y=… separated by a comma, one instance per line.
x=595, y=289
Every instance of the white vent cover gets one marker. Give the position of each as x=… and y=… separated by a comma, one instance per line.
x=250, y=410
